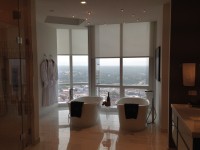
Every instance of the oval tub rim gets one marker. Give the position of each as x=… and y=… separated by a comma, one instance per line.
x=145, y=99
x=87, y=103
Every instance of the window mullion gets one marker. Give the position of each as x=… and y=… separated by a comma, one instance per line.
x=70, y=60
x=121, y=61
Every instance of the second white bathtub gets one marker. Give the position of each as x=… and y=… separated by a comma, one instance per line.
x=133, y=124
x=90, y=111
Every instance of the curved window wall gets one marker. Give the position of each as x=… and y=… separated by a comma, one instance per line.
x=118, y=61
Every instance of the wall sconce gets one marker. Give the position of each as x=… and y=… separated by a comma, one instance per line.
x=189, y=74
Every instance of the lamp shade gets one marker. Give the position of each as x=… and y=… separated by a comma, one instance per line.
x=189, y=73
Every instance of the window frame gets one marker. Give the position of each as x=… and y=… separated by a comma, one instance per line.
x=121, y=86
x=72, y=83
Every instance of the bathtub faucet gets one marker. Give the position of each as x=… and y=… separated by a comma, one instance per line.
x=70, y=94
x=105, y=103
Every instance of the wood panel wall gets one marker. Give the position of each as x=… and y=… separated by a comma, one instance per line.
x=184, y=47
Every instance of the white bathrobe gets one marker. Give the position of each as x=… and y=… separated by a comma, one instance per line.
x=53, y=77
x=45, y=82
x=49, y=77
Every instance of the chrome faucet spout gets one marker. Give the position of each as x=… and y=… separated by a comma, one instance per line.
x=104, y=103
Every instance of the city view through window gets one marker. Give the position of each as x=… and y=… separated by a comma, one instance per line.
x=79, y=78
x=135, y=73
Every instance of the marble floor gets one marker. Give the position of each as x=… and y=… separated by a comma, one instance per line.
x=55, y=134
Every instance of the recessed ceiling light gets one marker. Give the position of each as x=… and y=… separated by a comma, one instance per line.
x=122, y=10
x=83, y=2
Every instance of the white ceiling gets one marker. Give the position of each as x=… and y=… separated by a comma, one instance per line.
x=102, y=11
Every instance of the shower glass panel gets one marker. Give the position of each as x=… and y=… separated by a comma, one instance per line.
x=10, y=89
x=25, y=63
x=14, y=96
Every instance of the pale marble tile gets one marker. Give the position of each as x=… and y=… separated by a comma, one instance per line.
x=55, y=134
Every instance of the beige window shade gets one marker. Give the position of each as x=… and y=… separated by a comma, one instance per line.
x=63, y=46
x=79, y=41
x=136, y=39
x=107, y=40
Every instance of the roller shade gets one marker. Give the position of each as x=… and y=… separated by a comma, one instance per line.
x=79, y=41
x=136, y=39
x=107, y=40
x=63, y=46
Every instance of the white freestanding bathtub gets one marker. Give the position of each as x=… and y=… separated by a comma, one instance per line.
x=133, y=124
x=90, y=111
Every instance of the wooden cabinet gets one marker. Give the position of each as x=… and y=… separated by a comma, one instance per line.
x=184, y=135
x=181, y=144
x=186, y=127
x=174, y=128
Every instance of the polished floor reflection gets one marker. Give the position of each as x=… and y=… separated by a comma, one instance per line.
x=55, y=134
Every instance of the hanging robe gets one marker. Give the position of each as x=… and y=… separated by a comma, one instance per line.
x=45, y=82
x=53, y=77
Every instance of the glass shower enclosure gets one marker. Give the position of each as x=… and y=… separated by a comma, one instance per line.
x=15, y=110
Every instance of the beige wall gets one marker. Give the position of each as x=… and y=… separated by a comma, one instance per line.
x=46, y=44
x=157, y=89
x=161, y=88
x=165, y=67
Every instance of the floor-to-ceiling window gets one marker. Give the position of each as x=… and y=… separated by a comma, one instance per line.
x=122, y=55
x=72, y=48
x=80, y=76
x=122, y=61
x=63, y=78
x=135, y=76
x=108, y=78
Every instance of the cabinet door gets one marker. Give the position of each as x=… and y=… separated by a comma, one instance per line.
x=185, y=135
x=174, y=128
x=181, y=144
